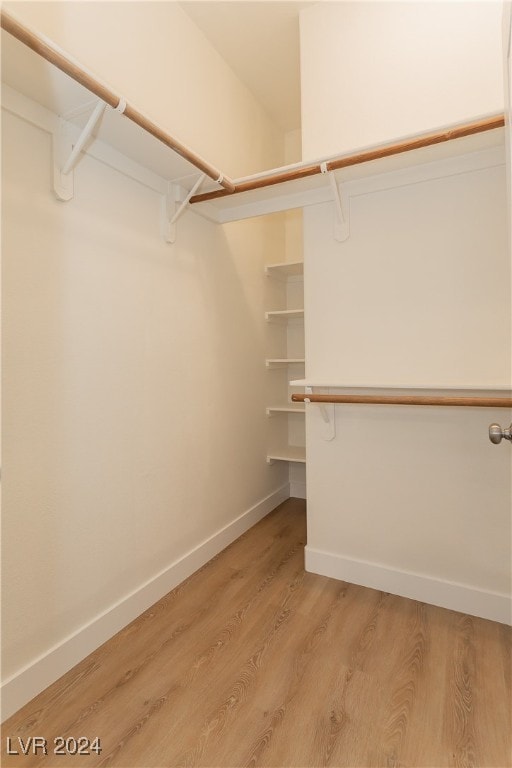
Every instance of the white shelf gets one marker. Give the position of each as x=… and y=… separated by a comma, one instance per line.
x=30, y=75
x=351, y=388
x=285, y=269
x=288, y=453
x=275, y=361
x=285, y=314
x=316, y=189
x=287, y=408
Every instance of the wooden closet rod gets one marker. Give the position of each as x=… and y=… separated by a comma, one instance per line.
x=344, y=161
x=475, y=402
x=47, y=50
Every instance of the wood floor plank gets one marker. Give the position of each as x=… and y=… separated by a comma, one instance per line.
x=242, y=670
x=302, y=711
x=281, y=670
x=407, y=677
x=422, y=742
x=475, y=715
x=253, y=662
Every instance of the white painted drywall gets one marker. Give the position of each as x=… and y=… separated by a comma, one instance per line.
x=419, y=293
x=415, y=501
x=372, y=72
x=134, y=381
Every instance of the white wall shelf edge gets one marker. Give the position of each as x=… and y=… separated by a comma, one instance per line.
x=284, y=315
x=285, y=270
x=284, y=361
x=288, y=408
x=326, y=384
x=287, y=453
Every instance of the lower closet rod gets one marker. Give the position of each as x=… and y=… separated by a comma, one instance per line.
x=474, y=402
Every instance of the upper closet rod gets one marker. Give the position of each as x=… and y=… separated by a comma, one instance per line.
x=49, y=51
x=475, y=402
x=344, y=161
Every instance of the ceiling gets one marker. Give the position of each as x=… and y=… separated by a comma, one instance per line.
x=260, y=42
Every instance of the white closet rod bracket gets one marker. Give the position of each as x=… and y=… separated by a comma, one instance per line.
x=171, y=214
x=66, y=152
x=328, y=427
x=341, y=206
x=121, y=106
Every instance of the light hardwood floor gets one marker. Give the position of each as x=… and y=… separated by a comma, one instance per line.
x=253, y=662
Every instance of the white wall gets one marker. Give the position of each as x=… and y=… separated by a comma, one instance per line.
x=418, y=295
x=134, y=384
x=414, y=501
x=372, y=72
x=293, y=218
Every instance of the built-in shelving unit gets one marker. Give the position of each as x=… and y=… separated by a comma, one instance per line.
x=286, y=428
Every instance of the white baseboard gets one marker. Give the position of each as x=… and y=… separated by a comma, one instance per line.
x=297, y=490
x=44, y=670
x=458, y=597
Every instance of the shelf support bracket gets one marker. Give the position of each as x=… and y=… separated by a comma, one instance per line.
x=66, y=152
x=169, y=200
x=328, y=416
x=341, y=206
x=170, y=213
x=63, y=186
